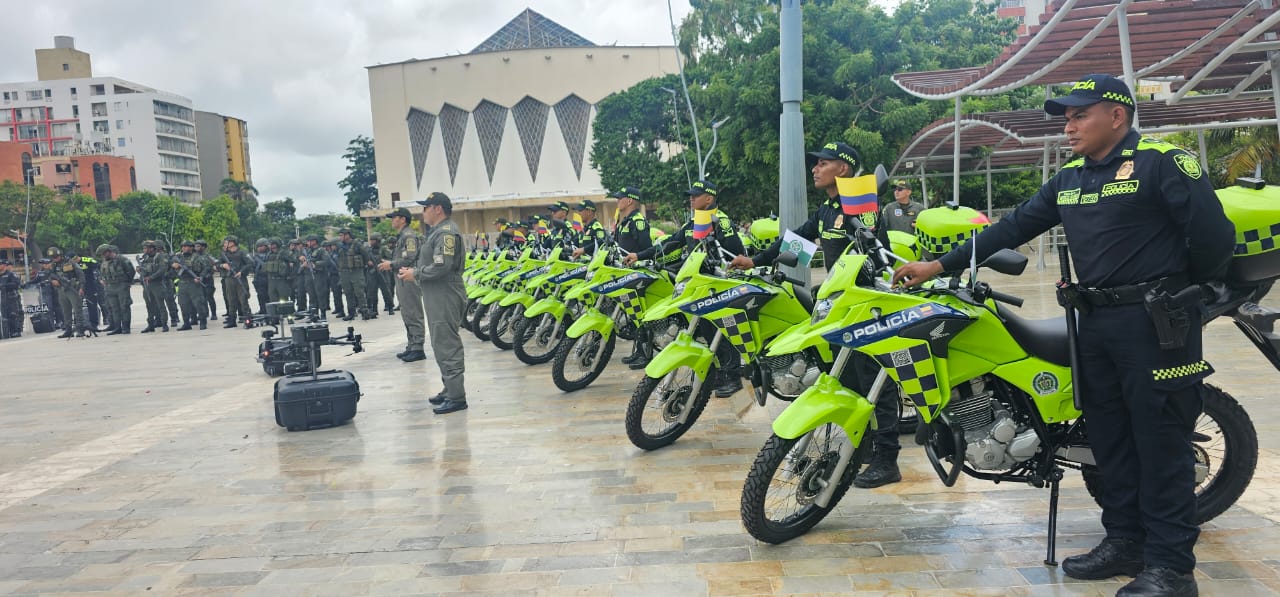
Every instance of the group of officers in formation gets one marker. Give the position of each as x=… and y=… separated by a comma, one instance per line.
x=179, y=288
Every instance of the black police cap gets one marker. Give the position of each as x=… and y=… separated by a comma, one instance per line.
x=1090, y=90
x=837, y=150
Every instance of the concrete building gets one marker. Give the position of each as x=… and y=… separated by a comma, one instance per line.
x=72, y=112
x=1027, y=12
x=223, y=143
x=506, y=128
x=103, y=176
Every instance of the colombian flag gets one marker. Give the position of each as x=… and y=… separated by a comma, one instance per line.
x=541, y=229
x=857, y=195
x=517, y=236
x=576, y=222
x=703, y=221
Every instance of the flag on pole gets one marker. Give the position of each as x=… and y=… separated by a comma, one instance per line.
x=703, y=222
x=857, y=195
x=801, y=246
x=577, y=222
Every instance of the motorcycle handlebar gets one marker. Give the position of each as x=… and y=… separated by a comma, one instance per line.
x=1006, y=298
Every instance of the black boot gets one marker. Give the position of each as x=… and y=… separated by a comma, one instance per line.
x=114, y=331
x=449, y=405
x=883, y=470
x=1115, y=556
x=164, y=327
x=151, y=327
x=186, y=325
x=413, y=356
x=437, y=399
x=204, y=323
x=1165, y=582
x=66, y=334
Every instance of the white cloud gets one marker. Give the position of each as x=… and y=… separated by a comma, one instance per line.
x=294, y=69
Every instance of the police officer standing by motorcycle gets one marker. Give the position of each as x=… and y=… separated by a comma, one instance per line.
x=593, y=234
x=408, y=243
x=829, y=227
x=1146, y=229
x=632, y=234
x=438, y=272
x=117, y=275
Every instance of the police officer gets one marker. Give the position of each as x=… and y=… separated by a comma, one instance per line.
x=373, y=278
x=306, y=280
x=560, y=233
x=631, y=230
x=278, y=263
x=1142, y=219
x=334, y=278
x=704, y=196
x=154, y=274
x=593, y=235
x=261, y=285
x=235, y=266
x=828, y=226
x=297, y=278
x=353, y=258
x=117, y=274
x=10, y=302
x=191, y=270
x=48, y=294
x=68, y=278
x=202, y=249
x=168, y=293
x=901, y=214
x=444, y=297
x=94, y=301
x=407, y=245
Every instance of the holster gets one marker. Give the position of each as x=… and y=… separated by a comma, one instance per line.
x=1069, y=294
x=1171, y=314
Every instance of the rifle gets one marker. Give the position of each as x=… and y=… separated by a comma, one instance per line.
x=184, y=269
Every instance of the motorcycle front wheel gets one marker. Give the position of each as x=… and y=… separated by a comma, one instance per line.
x=579, y=361
x=1225, y=445
x=535, y=339
x=778, y=498
x=501, y=333
x=480, y=322
x=469, y=313
x=653, y=414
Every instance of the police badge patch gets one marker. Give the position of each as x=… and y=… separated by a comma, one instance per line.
x=839, y=222
x=1125, y=171
x=448, y=244
x=1188, y=165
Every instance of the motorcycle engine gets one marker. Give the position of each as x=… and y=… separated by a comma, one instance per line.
x=791, y=374
x=994, y=440
x=665, y=331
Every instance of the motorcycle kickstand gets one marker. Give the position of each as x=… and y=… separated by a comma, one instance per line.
x=1055, y=478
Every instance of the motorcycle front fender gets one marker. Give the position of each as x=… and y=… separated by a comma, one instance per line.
x=475, y=292
x=516, y=297
x=662, y=309
x=546, y=305
x=684, y=351
x=826, y=401
x=579, y=291
x=494, y=296
x=593, y=319
x=799, y=337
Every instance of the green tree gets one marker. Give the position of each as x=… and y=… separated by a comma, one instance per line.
x=219, y=219
x=361, y=182
x=237, y=189
x=280, y=217
x=79, y=223
x=13, y=211
x=327, y=225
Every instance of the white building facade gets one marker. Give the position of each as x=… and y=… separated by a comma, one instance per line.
x=67, y=116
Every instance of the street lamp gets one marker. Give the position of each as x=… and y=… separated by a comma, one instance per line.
x=715, y=136
x=675, y=116
x=26, y=223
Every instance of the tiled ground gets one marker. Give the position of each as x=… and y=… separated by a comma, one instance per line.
x=152, y=465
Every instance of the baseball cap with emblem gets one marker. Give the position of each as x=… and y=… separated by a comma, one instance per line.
x=558, y=206
x=836, y=150
x=1090, y=90
x=703, y=187
x=627, y=193
x=587, y=204
x=901, y=184
x=399, y=212
x=437, y=198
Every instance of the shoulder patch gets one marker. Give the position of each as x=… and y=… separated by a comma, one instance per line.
x=640, y=225
x=450, y=241
x=1188, y=165
x=410, y=244
x=1149, y=144
x=1076, y=163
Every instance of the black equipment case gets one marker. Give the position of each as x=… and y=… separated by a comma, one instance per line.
x=325, y=399
x=42, y=322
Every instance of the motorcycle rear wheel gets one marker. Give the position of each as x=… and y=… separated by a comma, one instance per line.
x=778, y=496
x=654, y=410
x=1225, y=442
x=501, y=333
x=535, y=339
x=480, y=322
x=576, y=363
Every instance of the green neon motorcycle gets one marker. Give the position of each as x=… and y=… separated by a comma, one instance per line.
x=993, y=392
x=503, y=281
x=622, y=295
x=537, y=333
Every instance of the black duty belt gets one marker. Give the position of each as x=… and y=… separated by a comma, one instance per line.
x=1131, y=294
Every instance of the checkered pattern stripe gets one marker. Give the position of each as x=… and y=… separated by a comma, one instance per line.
x=940, y=245
x=1253, y=242
x=1181, y=371
x=913, y=369
x=632, y=304
x=738, y=331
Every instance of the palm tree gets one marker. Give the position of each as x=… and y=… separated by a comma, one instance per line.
x=1247, y=149
x=236, y=189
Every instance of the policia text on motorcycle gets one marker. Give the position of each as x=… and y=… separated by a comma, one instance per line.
x=1143, y=221
x=829, y=227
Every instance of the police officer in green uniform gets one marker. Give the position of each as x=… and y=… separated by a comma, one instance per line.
x=155, y=274
x=828, y=226
x=1144, y=223
x=307, y=273
x=235, y=266
x=703, y=196
x=117, y=275
x=261, y=287
x=297, y=275
x=373, y=279
x=901, y=214
x=334, y=278
x=405, y=255
x=68, y=279
x=353, y=258
x=168, y=294
x=444, y=297
x=191, y=270
x=278, y=263
x=202, y=249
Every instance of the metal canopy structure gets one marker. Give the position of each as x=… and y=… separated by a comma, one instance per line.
x=531, y=30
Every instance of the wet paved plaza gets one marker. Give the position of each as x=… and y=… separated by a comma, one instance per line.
x=151, y=464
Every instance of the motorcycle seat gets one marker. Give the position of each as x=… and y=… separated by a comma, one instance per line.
x=1044, y=338
x=804, y=296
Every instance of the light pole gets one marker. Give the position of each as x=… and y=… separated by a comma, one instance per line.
x=675, y=116
x=26, y=223
x=715, y=137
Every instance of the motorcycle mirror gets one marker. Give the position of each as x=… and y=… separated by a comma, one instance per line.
x=882, y=179
x=1006, y=261
x=787, y=258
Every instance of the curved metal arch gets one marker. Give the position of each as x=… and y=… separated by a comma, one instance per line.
x=1224, y=55
x=1217, y=32
x=966, y=124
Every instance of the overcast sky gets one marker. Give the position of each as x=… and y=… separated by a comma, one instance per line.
x=294, y=69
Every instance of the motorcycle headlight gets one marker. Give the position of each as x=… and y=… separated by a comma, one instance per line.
x=823, y=307
x=679, y=289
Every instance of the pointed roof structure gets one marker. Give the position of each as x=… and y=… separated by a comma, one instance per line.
x=532, y=30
